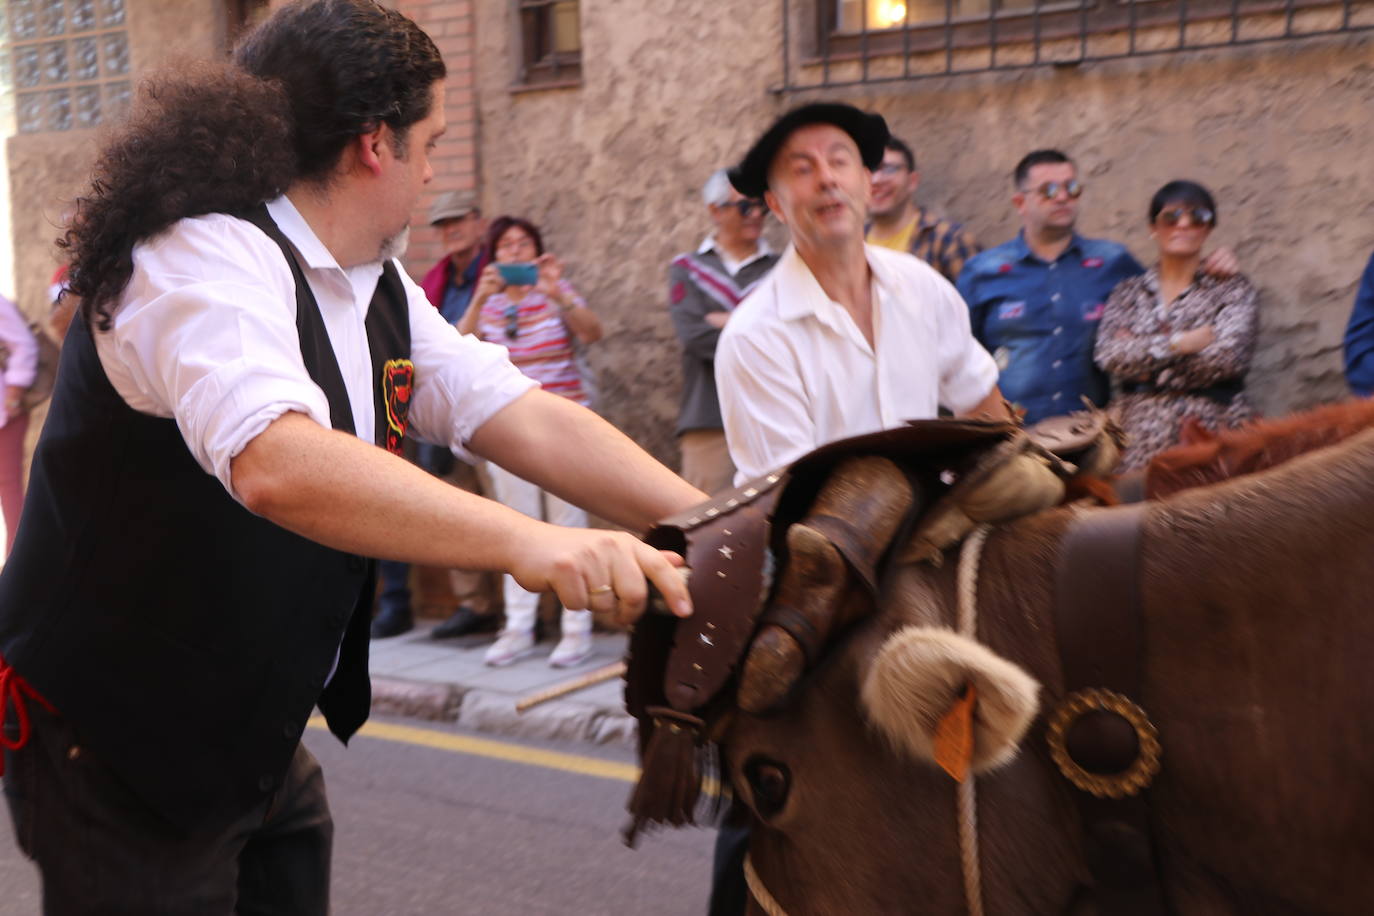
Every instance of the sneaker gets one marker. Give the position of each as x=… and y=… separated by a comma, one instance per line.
x=391, y=622
x=571, y=650
x=509, y=647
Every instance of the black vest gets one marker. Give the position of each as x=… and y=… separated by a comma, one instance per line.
x=185, y=639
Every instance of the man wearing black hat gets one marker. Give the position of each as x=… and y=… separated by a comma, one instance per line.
x=842, y=338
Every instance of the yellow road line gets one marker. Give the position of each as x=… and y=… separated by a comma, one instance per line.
x=496, y=750
x=500, y=750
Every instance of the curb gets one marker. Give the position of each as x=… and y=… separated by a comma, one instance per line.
x=493, y=712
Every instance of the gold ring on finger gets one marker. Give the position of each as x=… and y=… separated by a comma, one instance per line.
x=600, y=590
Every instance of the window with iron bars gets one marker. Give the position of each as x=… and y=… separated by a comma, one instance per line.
x=65, y=63
x=856, y=42
x=551, y=42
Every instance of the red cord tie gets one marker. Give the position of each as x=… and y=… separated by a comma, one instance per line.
x=13, y=690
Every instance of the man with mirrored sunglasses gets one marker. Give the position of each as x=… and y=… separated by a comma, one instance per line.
x=1035, y=301
x=704, y=286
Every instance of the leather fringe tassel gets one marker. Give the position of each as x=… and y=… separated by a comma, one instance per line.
x=671, y=773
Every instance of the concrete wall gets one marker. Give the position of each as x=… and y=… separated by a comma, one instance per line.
x=672, y=89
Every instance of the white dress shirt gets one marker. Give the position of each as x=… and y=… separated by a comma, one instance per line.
x=205, y=333
x=795, y=372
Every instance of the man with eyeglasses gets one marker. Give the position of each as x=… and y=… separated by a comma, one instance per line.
x=1035, y=301
x=704, y=286
x=899, y=223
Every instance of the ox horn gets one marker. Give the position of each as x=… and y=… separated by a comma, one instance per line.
x=853, y=519
x=918, y=675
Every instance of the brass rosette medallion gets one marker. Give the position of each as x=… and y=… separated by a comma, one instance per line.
x=1129, y=781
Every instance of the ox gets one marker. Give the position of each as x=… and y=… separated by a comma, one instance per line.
x=1258, y=657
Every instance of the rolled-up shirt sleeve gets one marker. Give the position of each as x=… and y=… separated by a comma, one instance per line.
x=460, y=381
x=967, y=371
x=206, y=335
x=763, y=404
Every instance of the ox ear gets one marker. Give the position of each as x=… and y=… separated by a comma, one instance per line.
x=919, y=674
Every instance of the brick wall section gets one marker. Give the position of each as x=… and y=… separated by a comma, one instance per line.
x=450, y=23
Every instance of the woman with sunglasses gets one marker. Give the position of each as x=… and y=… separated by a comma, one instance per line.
x=1177, y=341
x=523, y=303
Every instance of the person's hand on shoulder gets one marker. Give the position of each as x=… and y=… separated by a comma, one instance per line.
x=1221, y=263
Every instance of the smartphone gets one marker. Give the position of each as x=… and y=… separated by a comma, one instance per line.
x=521, y=273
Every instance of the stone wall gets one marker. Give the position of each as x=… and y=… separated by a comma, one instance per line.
x=674, y=88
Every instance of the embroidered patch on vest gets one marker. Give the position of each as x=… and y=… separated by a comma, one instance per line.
x=398, y=379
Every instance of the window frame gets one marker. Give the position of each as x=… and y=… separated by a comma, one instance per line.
x=541, y=65
x=1053, y=21
x=113, y=90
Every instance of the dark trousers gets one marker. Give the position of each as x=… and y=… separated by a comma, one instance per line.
x=101, y=850
x=729, y=892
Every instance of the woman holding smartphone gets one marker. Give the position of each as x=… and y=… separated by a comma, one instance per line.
x=1177, y=340
x=523, y=303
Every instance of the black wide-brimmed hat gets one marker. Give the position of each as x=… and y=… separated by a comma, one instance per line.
x=869, y=131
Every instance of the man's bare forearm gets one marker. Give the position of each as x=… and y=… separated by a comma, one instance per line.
x=335, y=489
x=573, y=453
x=339, y=491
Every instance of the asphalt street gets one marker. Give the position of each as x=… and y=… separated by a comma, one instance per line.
x=438, y=820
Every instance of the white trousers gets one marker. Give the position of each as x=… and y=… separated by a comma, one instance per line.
x=523, y=496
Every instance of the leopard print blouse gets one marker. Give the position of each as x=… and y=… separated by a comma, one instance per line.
x=1156, y=388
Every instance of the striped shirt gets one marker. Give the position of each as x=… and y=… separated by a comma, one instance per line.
x=540, y=344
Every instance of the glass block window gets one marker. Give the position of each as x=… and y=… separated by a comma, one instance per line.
x=66, y=62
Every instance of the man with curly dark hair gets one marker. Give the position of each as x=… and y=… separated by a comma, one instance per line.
x=189, y=578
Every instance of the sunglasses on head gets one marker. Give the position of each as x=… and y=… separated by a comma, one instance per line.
x=1050, y=189
x=747, y=206
x=1198, y=216
x=512, y=315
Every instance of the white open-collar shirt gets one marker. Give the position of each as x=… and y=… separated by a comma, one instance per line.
x=794, y=371
x=205, y=333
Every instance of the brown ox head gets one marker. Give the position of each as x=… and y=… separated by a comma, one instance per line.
x=832, y=747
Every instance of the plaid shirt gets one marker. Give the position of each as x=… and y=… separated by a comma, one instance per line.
x=941, y=243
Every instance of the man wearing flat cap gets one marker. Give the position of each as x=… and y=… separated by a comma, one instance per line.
x=842, y=338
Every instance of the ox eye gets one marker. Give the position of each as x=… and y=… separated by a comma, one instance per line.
x=769, y=781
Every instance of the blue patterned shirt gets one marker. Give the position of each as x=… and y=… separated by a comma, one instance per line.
x=1039, y=319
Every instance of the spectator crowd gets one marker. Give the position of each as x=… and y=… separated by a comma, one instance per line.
x=249, y=367
x=783, y=351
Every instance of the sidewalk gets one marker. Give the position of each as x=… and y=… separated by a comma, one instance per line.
x=445, y=680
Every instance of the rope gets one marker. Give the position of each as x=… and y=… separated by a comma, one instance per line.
x=969, y=557
x=13, y=690
x=764, y=899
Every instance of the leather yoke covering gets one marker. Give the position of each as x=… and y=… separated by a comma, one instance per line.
x=680, y=674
